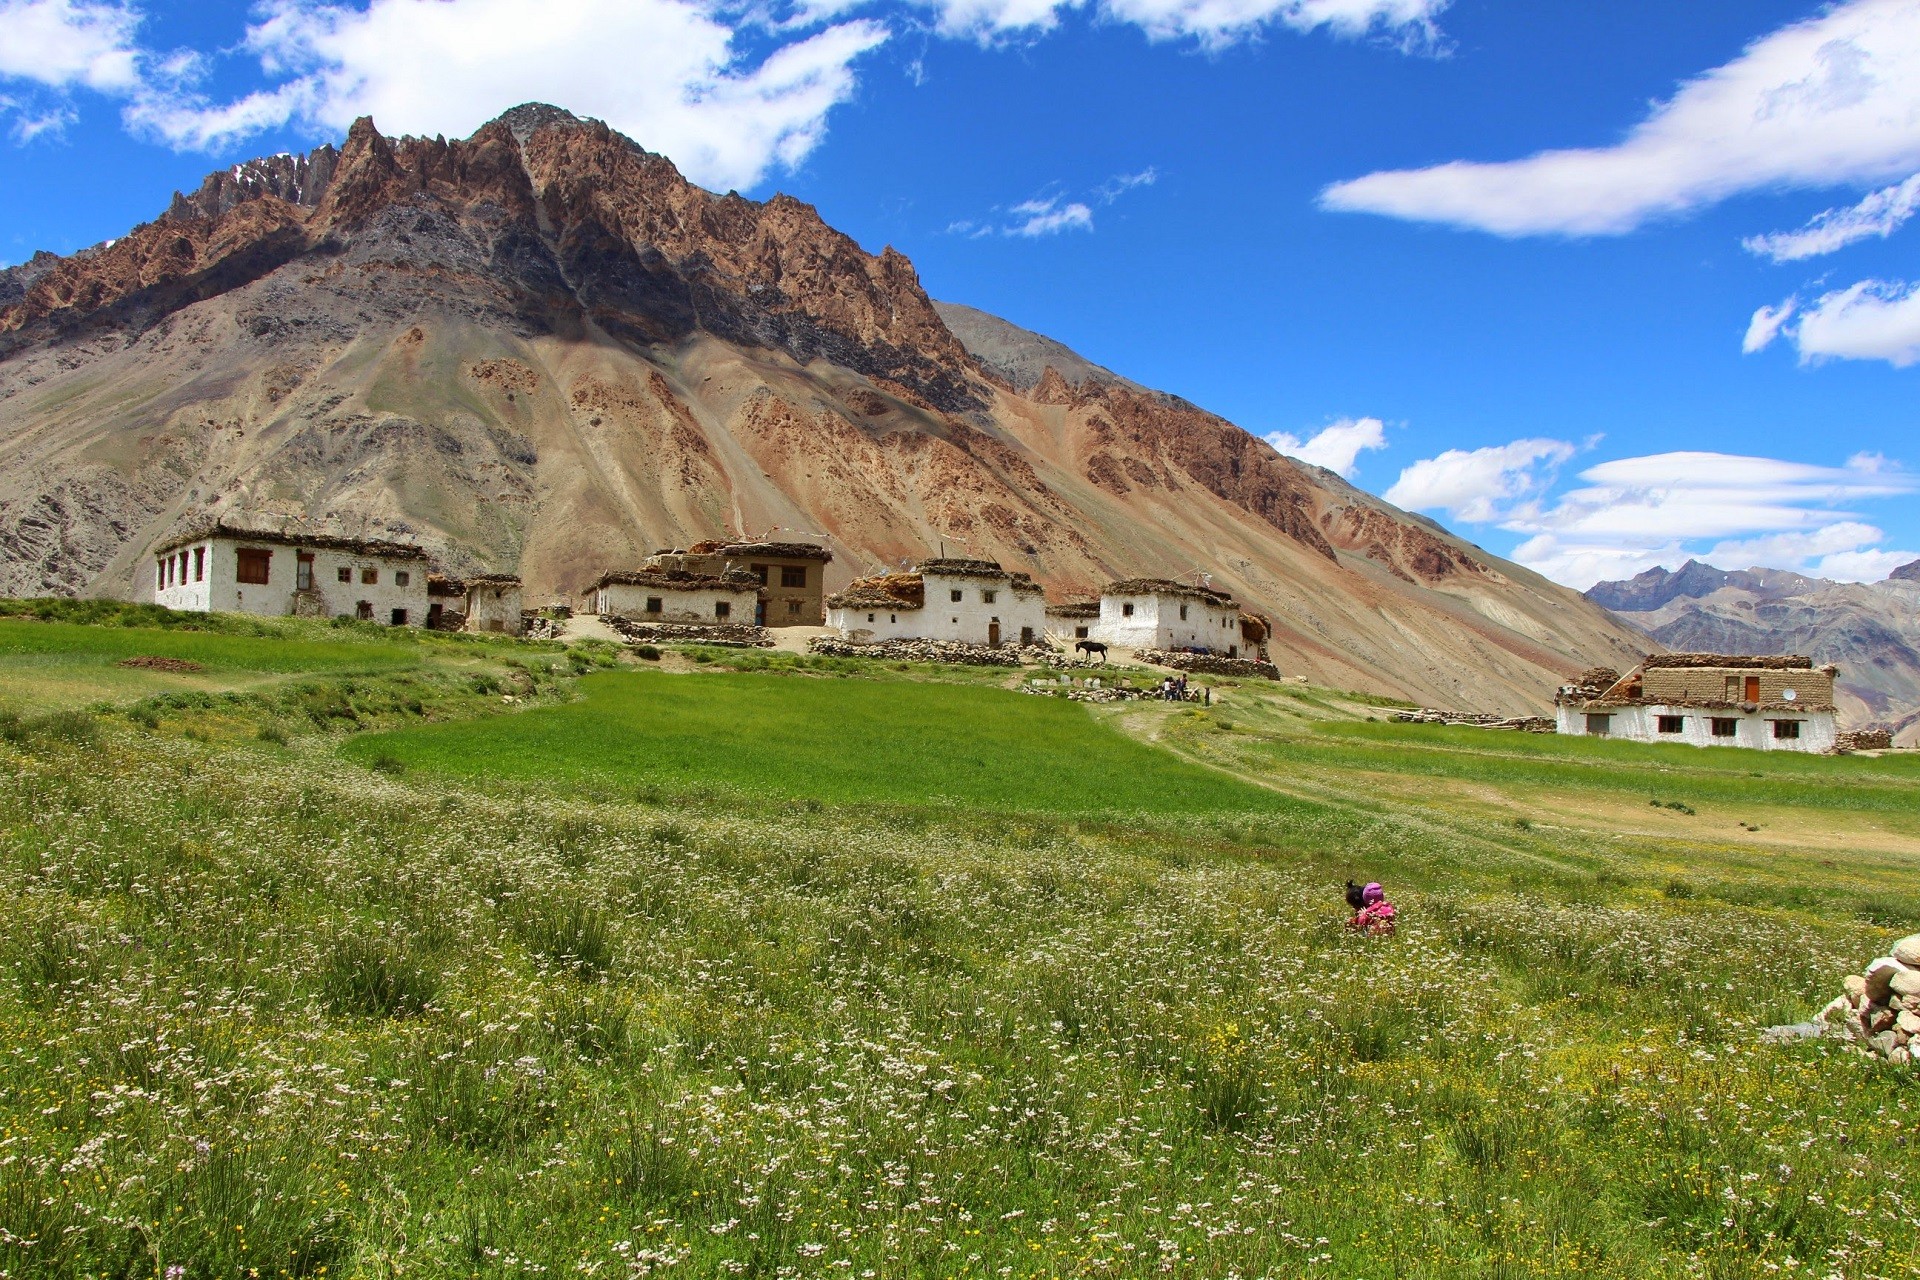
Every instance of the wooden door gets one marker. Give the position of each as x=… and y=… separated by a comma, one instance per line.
x=993, y=635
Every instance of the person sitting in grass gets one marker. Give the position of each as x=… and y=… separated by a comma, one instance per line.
x=1373, y=914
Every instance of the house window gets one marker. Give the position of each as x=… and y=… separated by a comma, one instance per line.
x=760, y=571
x=345, y=574
x=793, y=575
x=159, y=575
x=893, y=617
x=1079, y=633
x=253, y=566
x=793, y=608
x=654, y=604
x=954, y=596
x=1673, y=724
x=364, y=611
x=1725, y=727
x=1733, y=688
x=1126, y=611
x=303, y=572
x=1026, y=635
x=722, y=608
x=402, y=578
x=1786, y=730
x=1599, y=726
x=869, y=617
x=199, y=564
x=989, y=596
x=399, y=617
x=1183, y=613
x=369, y=577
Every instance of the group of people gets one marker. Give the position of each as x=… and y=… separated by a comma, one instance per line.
x=1174, y=689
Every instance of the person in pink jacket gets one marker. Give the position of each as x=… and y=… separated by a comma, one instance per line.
x=1373, y=914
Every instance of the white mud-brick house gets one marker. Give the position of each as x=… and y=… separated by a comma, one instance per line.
x=494, y=604
x=972, y=602
x=792, y=576
x=1073, y=621
x=673, y=595
x=1156, y=613
x=1706, y=700
x=224, y=568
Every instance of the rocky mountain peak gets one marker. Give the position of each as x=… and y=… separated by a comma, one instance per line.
x=1906, y=573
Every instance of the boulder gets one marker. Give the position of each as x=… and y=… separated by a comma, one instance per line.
x=1883, y=1044
x=1882, y=1020
x=1905, y=982
x=1879, y=978
x=1900, y=1054
x=1856, y=986
x=1907, y=951
x=1908, y=1022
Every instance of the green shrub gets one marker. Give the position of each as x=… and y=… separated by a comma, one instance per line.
x=272, y=732
x=571, y=935
x=647, y=652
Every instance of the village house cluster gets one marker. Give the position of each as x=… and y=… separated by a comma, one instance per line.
x=1706, y=700
x=226, y=568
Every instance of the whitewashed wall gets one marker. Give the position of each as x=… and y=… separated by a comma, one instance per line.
x=492, y=607
x=677, y=604
x=222, y=591
x=1156, y=623
x=1818, y=730
x=968, y=620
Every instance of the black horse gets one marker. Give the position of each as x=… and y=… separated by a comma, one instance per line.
x=1091, y=647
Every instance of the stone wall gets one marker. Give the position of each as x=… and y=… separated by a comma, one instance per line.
x=1209, y=664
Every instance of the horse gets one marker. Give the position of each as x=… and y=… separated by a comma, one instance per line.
x=1091, y=647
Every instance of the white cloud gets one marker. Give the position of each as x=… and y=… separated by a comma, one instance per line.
x=67, y=43
x=665, y=72
x=1862, y=566
x=1832, y=100
x=1479, y=485
x=1766, y=325
x=1048, y=217
x=1218, y=22
x=1633, y=513
x=1337, y=446
x=1880, y=214
x=1872, y=320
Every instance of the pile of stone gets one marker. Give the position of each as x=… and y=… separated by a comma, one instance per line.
x=726, y=635
x=1880, y=1011
x=539, y=626
x=1210, y=664
x=1864, y=740
x=1475, y=720
x=967, y=655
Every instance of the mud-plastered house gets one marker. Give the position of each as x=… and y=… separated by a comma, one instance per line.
x=225, y=568
x=958, y=601
x=793, y=576
x=1706, y=700
x=1157, y=613
x=486, y=602
x=662, y=595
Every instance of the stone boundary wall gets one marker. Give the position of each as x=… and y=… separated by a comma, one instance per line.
x=969, y=655
x=1475, y=720
x=1208, y=664
x=1864, y=740
x=733, y=635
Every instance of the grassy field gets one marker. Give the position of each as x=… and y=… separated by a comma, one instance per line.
x=299, y=983
x=859, y=742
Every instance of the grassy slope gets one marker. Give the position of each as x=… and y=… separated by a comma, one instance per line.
x=266, y=1009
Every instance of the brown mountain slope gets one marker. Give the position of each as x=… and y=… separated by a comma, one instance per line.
x=541, y=349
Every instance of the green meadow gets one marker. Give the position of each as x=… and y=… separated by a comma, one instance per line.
x=368, y=954
x=841, y=742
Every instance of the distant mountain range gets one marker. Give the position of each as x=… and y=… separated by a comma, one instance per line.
x=1871, y=631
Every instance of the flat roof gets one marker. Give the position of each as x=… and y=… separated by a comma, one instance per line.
x=321, y=541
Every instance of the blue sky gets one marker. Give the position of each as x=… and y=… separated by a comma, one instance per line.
x=1600, y=286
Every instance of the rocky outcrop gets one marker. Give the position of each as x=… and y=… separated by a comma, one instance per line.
x=1879, y=1011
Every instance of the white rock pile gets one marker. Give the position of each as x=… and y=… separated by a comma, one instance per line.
x=1475, y=720
x=1880, y=1011
x=1211, y=664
